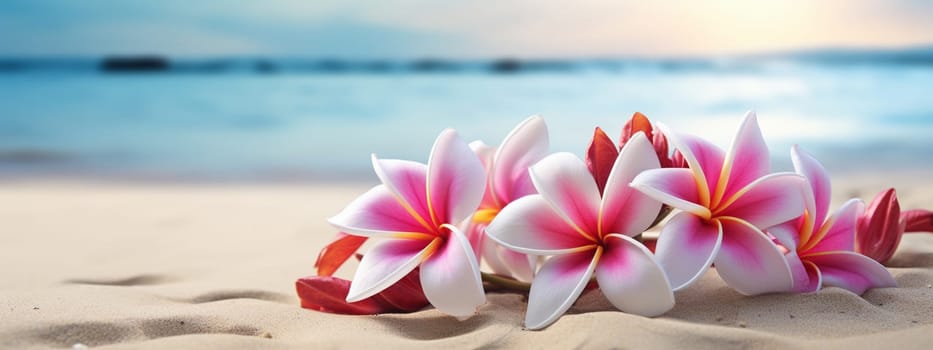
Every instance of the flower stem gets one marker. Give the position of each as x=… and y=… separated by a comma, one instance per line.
x=501, y=283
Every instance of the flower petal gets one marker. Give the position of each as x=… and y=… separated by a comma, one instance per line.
x=852, y=271
x=638, y=123
x=558, y=285
x=386, y=263
x=485, y=154
x=770, y=200
x=747, y=160
x=805, y=280
x=337, y=252
x=377, y=212
x=521, y=266
x=838, y=233
x=521, y=148
x=686, y=248
x=917, y=220
x=565, y=182
x=787, y=234
x=450, y=277
x=456, y=179
x=631, y=278
x=676, y=187
x=703, y=158
x=504, y=261
x=623, y=209
x=600, y=157
x=406, y=180
x=819, y=184
x=328, y=294
x=749, y=262
x=880, y=228
x=530, y=225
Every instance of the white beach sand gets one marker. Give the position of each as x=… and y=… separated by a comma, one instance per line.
x=191, y=266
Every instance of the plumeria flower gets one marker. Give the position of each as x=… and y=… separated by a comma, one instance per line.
x=507, y=180
x=416, y=210
x=726, y=201
x=822, y=247
x=587, y=234
x=883, y=223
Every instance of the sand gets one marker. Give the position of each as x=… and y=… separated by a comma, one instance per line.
x=158, y=266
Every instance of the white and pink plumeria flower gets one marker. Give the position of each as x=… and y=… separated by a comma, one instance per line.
x=726, y=200
x=587, y=234
x=822, y=247
x=507, y=180
x=416, y=210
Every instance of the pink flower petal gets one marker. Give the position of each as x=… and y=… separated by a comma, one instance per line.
x=530, y=225
x=450, y=277
x=520, y=266
x=819, y=184
x=476, y=234
x=407, y=181
x=770, y=200
x=806, y=278
x=838, y=233
x=686, y=248
x=386, y=263
x=558, y=285
x=506, y=262
x=520, y=149
x=749, y=262
x=456, y=179
x=703, y=158
x=631, y=278
x=377, y=213
x=491, y=257
x=852, y=271
x=787, y=234
x=676, y=187
x=565, y=182
x=623, y=209
x=486, y=154
x=747, y=160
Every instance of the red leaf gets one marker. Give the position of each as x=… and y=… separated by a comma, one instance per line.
x=329, y=294
x=337, y=252
x=405, y=295
x=600, y=156
x=918, y=220
x=880, y=228
x=639, y=122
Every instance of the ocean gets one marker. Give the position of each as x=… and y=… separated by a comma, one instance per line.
x=282, y=123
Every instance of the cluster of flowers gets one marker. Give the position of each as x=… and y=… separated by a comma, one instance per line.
x=567, y=225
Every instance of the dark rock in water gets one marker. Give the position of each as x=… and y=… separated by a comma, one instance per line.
x=134, y=64
x=32, y=156
x=265, y=67
x=506, y=66
x=433, y=65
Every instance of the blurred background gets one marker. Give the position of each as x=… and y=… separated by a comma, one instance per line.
x=306, y=90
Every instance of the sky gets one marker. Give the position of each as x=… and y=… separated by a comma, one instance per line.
x=357, y=29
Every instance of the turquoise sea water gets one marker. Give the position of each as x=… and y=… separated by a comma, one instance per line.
x=315, y=126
